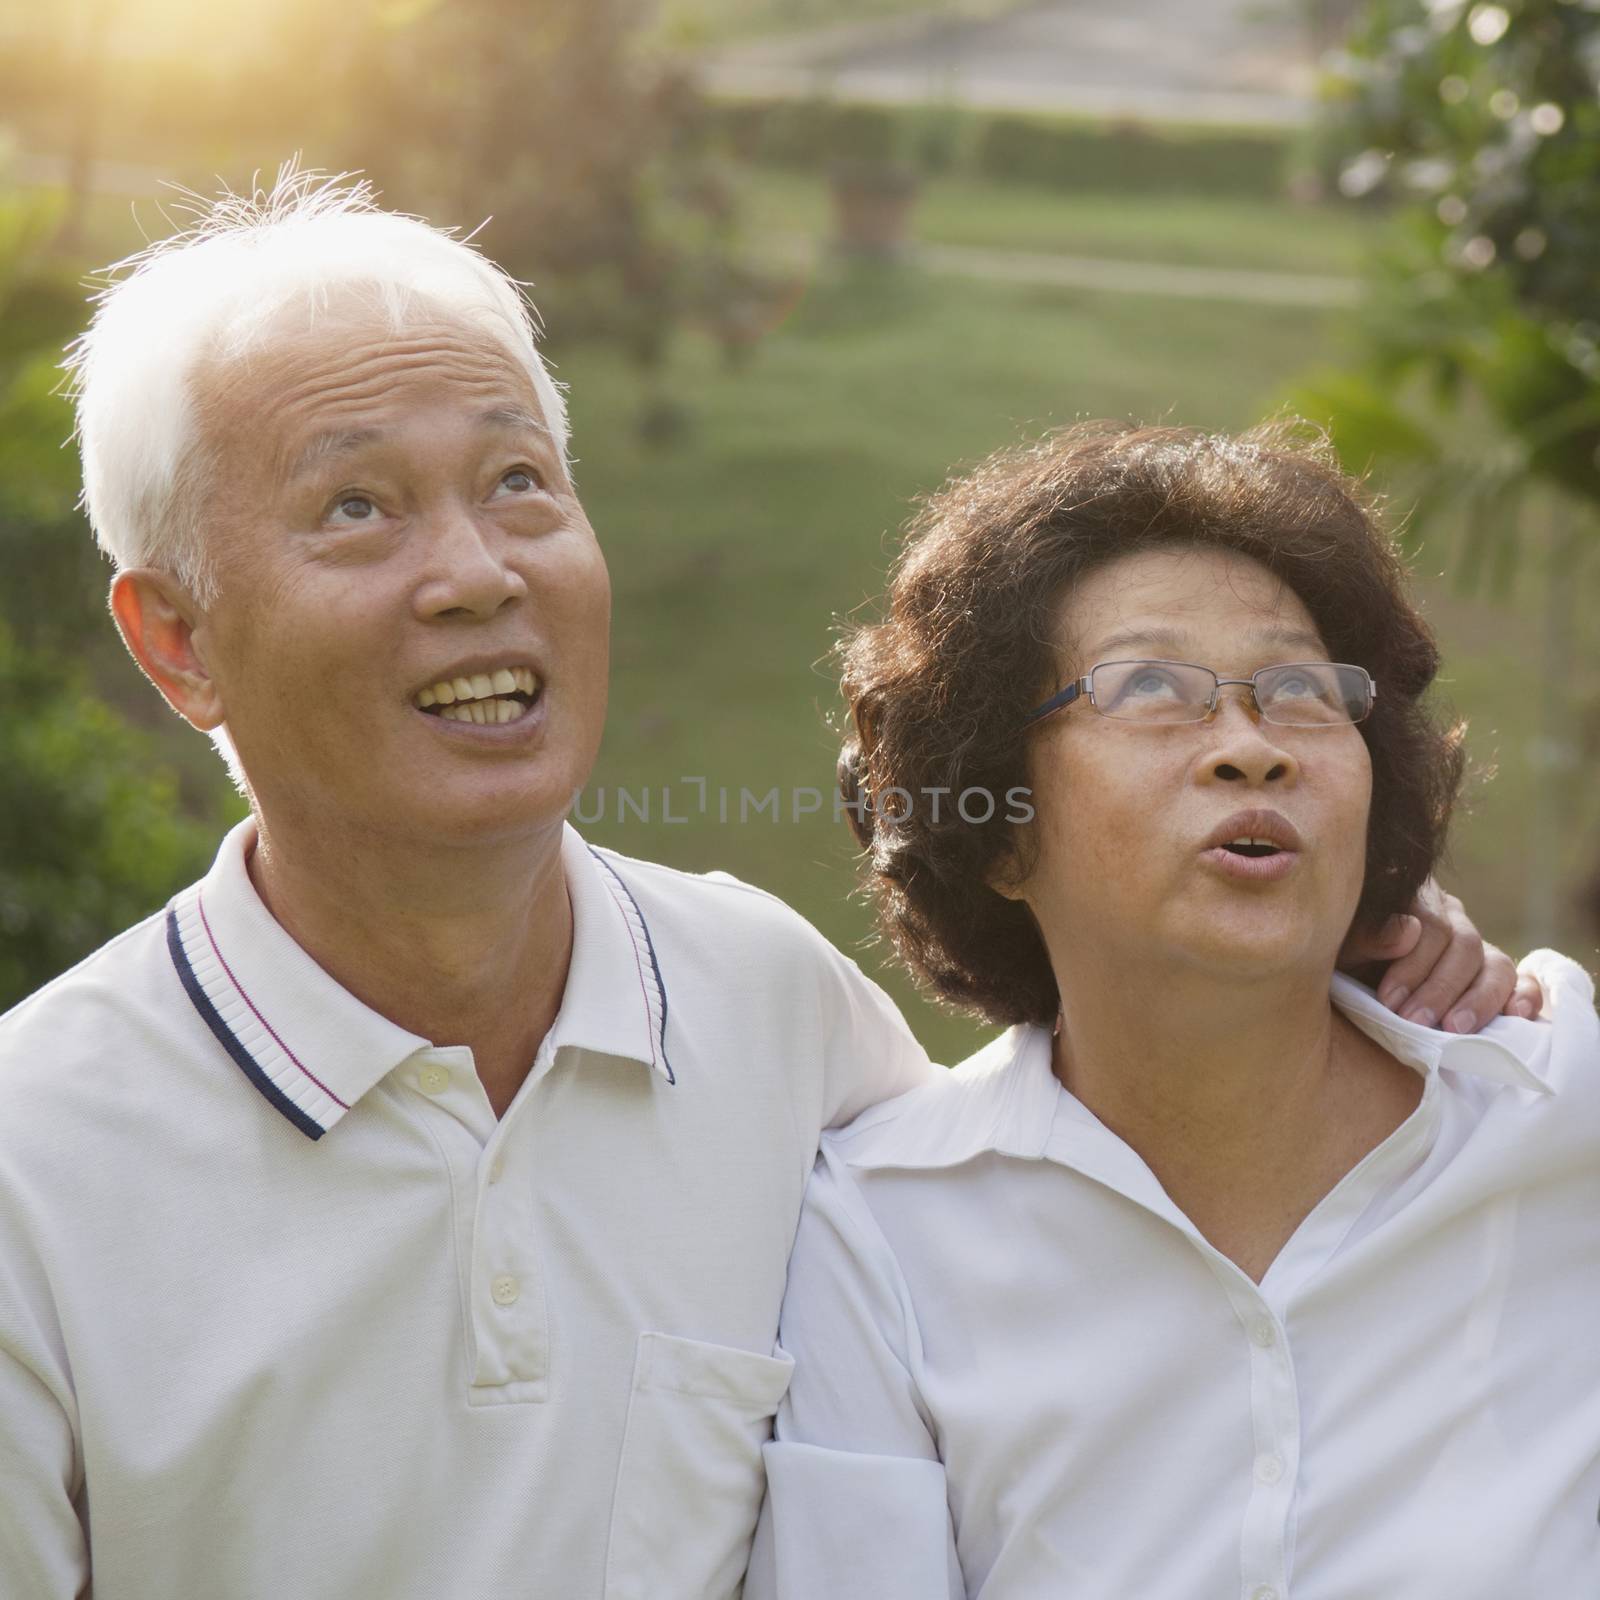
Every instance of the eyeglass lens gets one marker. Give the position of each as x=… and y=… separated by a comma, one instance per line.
x=1297, y=694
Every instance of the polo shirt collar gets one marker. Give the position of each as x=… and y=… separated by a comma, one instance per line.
x=615, y=1001
x=306, y=1043
x=313, y=1050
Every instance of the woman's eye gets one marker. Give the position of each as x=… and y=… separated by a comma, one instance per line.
x=1296, y=687
x=1147, y=684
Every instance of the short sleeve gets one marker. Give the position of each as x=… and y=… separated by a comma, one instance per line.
x=43, y=1552
x=856, y=1505
x=870, y=1055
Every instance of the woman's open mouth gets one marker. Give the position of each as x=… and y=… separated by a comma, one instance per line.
x=1256, y=846
x=1252, y=860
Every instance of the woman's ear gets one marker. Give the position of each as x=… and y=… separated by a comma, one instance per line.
x=159, y=622
x=1006, y=875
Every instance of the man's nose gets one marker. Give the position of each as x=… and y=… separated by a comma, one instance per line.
x=1245, y=747
x=470, y=569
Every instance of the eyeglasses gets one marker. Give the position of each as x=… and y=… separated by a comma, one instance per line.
x=1299, y=694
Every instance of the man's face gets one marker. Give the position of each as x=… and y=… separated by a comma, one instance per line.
x=390, y=514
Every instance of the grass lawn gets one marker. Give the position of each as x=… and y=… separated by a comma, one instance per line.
x=1186, y=230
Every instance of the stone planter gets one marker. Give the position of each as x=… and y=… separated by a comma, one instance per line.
x=872, y=206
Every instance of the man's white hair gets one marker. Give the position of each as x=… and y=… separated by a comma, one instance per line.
x=208, y=294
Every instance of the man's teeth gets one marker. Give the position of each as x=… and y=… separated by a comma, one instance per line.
x=484, y=712
x=481, y=687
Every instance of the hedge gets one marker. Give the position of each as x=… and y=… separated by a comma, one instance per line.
x=1101, y=155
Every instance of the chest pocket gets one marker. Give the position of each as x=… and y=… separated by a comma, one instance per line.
x=689, y=1486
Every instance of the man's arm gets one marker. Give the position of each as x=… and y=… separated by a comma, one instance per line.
x=1431, y=965
x=1437, y=969
x=43, y=1552
x=869, y=1053
x=856, y=1506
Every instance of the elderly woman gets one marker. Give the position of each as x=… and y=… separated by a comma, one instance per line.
x=1211, y=1277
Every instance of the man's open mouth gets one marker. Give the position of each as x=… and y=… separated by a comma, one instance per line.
x=484, y=698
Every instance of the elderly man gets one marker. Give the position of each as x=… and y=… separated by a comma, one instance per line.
x=403, y=1211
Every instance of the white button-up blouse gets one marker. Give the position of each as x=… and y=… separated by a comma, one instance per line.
x=1022, y=1374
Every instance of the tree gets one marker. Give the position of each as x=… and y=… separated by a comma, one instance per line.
x=594, y=156
x=1480, y=123
x=92, y=835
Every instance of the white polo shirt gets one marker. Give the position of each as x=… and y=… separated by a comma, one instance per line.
x=1022, y=1374
x=285, y=1311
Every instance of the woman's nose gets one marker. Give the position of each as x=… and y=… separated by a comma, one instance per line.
x=1244, y=745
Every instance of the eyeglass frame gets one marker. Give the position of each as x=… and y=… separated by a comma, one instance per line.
x=1083, y=688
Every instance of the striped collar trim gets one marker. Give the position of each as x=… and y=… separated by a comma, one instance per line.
x=616, y=997
x=312, y=1050
x=287, y=1083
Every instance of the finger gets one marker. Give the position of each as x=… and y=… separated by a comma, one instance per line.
x=1491, y=991
x=1395, y=938
x=1445, y=992
x=1527, y=999
x=1406, y=975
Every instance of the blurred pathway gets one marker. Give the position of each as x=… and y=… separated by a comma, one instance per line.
x=1239, y=284
x=1218, y=61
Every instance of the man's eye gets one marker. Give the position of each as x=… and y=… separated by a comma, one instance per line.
x=521, y=480
x=355, y=506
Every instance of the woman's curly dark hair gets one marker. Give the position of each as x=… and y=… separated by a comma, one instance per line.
x=937, y=690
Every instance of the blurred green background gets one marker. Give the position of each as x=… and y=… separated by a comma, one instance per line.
x=785, y=310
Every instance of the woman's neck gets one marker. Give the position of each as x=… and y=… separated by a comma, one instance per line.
x=1248, y=1101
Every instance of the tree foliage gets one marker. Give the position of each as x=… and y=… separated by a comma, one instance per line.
x=92, y=834
x=1481, y=123
x=595, y=155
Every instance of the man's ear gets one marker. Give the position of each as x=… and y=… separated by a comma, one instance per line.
x=158, y=620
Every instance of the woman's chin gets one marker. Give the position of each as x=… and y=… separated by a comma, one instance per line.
x=1250, y=949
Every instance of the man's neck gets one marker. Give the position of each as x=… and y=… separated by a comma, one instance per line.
x=1248, y=1102
x=463, y=945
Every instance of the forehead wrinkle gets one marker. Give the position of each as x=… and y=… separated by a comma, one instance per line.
x=350, y=406
x=364, y=363
x=331, y=444
x=375, y=375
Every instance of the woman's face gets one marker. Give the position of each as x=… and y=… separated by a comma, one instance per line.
x=1126, y=863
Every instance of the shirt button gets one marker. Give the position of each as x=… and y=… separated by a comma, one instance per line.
x=1265, y=1335
x=496, y=1170
x=1264, y=1591
x=434, y=1079
x=505, y=1290
x=1268, y=1469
